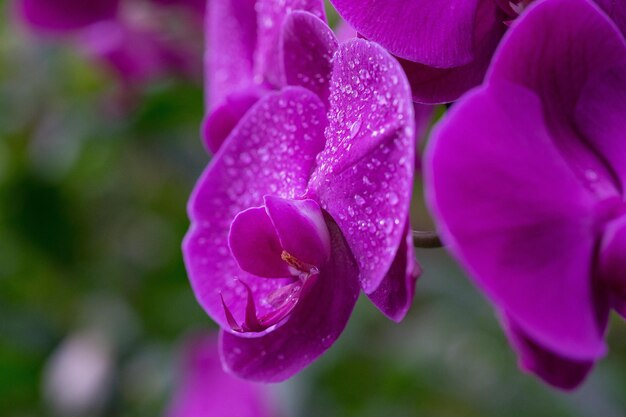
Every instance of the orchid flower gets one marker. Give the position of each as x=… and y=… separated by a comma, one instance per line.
x=242, y=61
x=135, y=54
x=445, y=46
x=61, y=16
x=526, y=176
x=203, y=389
x=305, y=203
x=124, y=35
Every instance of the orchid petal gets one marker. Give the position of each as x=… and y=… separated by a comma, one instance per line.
x=136, y=55
x=431, y=85
x=554, y=369
x=265, y=154
x=65, y=15
x=301, y=229
x=600, y=118
x=313, y=326
x=585, y=47
x=230, y=319
x=231, y=37
x=255, y=246
x=251, y=321
x=364, y=176
x=612, y=255
x=223, y=118
x=514, y=213
x=271, y=16
x=581, y=46
x=308, y=48
x=432, y=32
x=204, y=389
x=616, y=10
x=344, y=32
x=394, y=296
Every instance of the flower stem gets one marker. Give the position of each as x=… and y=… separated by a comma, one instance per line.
x=426, y=240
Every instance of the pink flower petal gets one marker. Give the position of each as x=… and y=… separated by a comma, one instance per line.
x=223, y=118
x=254, y=244
x=432, y=32
x=301, y=229
x=394, y=296
x=517, y=217
x=554, y=369
x=59, y=16
x=271, y=16
x=308, y=46
x=364, y=176
x=231, y=37
x=203, y=389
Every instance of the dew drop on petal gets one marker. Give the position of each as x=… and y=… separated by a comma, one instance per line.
x=359, y=200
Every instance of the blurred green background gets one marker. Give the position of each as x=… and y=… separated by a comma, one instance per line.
x=93, y=188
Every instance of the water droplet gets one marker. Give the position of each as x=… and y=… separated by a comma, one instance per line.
x=354, y=129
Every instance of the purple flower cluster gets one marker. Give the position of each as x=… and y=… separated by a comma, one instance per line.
x=306, y=201
x=127, y=36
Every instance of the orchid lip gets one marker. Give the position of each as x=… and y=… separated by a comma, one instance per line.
x=284, y=299
x=286, y=241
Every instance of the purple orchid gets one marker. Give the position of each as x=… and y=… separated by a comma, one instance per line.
x=136, y=54
x=126, y=36
x=61, y=16
x=305, y=203
x=203, y=389
x=242, y=61
x=526, y=177
x=445, y=46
